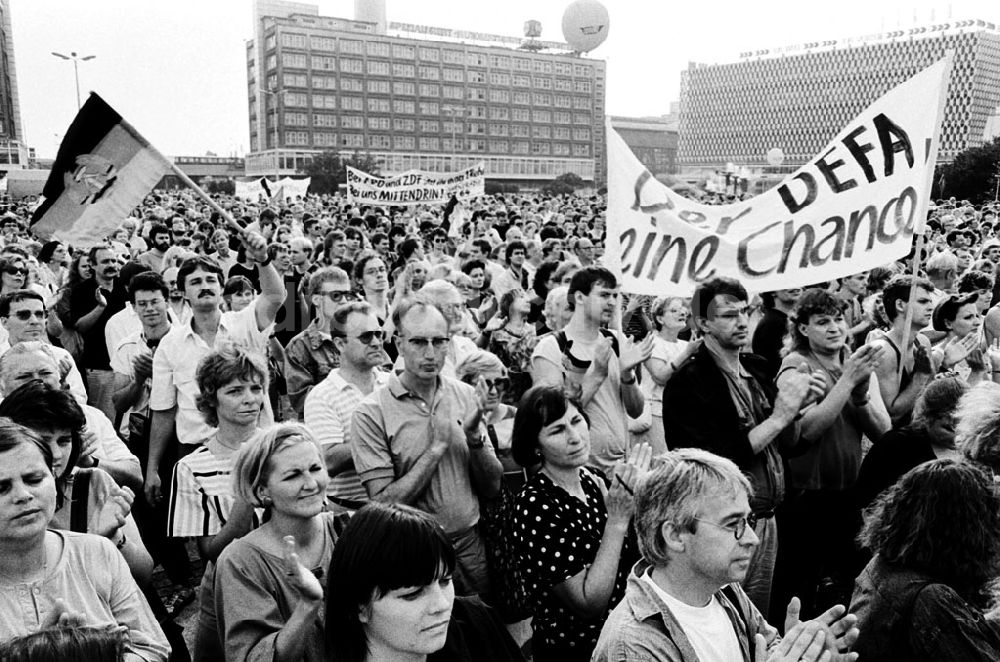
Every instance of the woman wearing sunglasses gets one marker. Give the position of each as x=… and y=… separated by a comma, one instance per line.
x=14, y=274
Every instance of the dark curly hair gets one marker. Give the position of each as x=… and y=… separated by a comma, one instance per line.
x=942, y=518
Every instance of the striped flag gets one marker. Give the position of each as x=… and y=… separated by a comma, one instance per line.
x=103, y=170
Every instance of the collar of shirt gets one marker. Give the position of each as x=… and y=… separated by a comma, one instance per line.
x=316, y=335
x=338, y=383
x=723, y=362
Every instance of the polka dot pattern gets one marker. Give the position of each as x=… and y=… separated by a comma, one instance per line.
x=556, y=536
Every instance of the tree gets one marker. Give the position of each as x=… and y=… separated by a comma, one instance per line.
x=328, y=170
x=971, y=176
x=564, y=184
x=225, y=186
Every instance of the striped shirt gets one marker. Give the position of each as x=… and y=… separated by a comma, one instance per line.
x=328, y=411
x=202, y=494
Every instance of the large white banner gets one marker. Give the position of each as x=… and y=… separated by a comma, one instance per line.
x=286, y=188
x=854, y=206
x=415, y=187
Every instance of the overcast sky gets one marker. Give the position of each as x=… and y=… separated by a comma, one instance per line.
x=176, y=69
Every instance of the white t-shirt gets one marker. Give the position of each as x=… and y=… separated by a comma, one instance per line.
x=708, y=628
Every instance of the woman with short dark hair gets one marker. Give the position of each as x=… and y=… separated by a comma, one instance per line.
x=390, y=595
x=570, y=527
x=936, y=539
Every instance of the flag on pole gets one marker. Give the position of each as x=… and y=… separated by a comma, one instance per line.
x=104, y=168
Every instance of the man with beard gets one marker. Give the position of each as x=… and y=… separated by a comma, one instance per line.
x=595, y=364
x=174, y=392
x=92, y=303
x=160, y=241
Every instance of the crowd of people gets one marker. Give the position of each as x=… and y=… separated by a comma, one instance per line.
x=444, y=433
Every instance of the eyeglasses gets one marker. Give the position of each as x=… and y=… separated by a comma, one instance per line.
x=366, y=337
x=337, y=296
x=738, y=529
x=16, y=271
x=439, y=343
x=500, y=384
x=25, y=315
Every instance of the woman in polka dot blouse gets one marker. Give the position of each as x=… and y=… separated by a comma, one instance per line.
x=571, y=528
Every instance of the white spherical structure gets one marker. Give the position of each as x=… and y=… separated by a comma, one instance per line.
x=775, y=157
x=585, y=25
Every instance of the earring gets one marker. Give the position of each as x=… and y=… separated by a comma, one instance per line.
x=267, y=501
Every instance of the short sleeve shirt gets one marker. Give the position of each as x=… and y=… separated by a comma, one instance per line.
x=176, y=361
x=201, y=496
x=556, y=536
x=606, y=410
x=391, y=430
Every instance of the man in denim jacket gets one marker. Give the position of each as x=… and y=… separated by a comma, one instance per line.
x=683, y=602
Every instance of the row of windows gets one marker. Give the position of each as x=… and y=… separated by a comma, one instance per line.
x=321, y=120
x=404, y=106
x=430, y=54
x=401, y=70
x=433, y=144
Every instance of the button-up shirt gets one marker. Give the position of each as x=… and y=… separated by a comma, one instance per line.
x=176, y=361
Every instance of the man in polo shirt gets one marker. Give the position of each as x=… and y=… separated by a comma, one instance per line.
x=331, y=403
x=174, y=391
x=419, y=440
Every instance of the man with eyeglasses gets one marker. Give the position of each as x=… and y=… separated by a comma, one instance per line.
x=330, y=405
x=312, y=354
x=683, y=601
x=23, y=317
x=420, y=440
x=723, y=401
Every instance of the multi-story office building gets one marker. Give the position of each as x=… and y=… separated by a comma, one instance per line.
x=798, y=98
x=13, y=152
x=439, y=101
x=653, y=140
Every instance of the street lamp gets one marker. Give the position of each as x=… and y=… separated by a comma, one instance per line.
x=452, y=111
x=277, y=159
x=76, y=70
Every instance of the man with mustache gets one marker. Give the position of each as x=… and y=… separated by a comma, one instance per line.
x=92, y=303
x=174, y=392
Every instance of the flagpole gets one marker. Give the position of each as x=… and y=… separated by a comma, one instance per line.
x=226, y=216
x=922, y=206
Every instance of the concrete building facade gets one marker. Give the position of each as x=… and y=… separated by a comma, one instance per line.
x=798, y=98
x=432, y=103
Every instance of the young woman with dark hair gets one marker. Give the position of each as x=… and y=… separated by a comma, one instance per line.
x=390, y=596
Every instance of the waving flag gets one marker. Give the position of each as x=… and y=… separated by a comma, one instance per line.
x=103, y=170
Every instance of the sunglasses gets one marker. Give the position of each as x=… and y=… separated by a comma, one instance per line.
x=25, y=315
x=500, y=384
x=366, y=337
x=337, y=296
x=16, y=271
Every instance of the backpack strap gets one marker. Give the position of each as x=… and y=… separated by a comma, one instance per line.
x=607, y=333
x=79, y=501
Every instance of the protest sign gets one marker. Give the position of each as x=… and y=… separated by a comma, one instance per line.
x=251, y=189
x=854, y=206
x=415, y=187
x=104, y=168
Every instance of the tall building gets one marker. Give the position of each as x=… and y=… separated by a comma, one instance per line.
x=798, y=98
x=418, y=97
x=13, y=152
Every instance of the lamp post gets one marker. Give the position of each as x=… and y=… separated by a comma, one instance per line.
x=76, y=70
x=452, y=111
x=277, y=158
